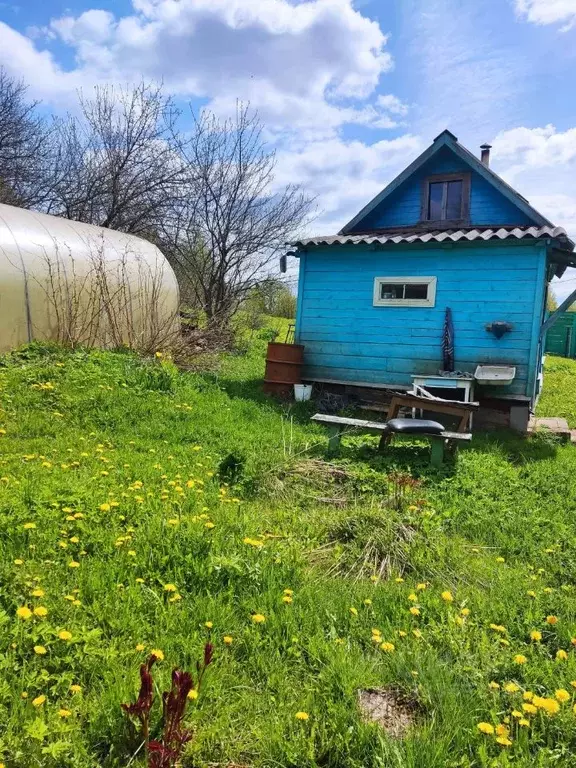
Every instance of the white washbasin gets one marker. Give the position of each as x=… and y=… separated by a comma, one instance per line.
x=495, y=374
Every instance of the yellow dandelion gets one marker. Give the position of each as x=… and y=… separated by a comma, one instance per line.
x=29, y=526
x=75, y=688
x=561, y=655
x=158, y=653
x=73, y=564
x=104, y=507
x=287, y=599
x=530, y=709
x=486, y=728
x=208, y=624
x=535, y=636
x=24, y=612
x=258, y=618
x=520, y=659
x=511, y=688
x=413, y=597
x=502, y=730
x=414, y=611
x=170, y=588
x=301, y=715
x=421, y=586
x=38, y=701
x=40, y=650
x=493, y=685
x=65, y=635
x=228, y=640
x=18, y=561
x=192, y=694
x=524, y=723
x=447, y=596
x=552, y=620
x=38, y=593
x=531, y=593
x=140, y=647
x=64, y=713
x=40, y=611
x=504, y=741
x=387, y=647
x=562, y=695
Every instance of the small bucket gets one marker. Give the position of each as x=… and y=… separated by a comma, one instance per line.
x=302, y=392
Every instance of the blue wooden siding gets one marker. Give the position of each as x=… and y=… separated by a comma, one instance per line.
x=402, y=209
x=347, y=338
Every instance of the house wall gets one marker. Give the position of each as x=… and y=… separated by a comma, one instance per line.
x=488, y=207
x=347, y=338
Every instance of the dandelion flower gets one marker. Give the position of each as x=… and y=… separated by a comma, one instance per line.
x=498, y=628
x=64, y=713
x=535, y=636
x=527, y=695
x=493, y=685
x=40, y=611
x=286, y=599
x=291, y=592
x=561, y=655
x=524, y=723
x=531, y=593
x=562, y=695
x=140, y=647
x=486, y=728
x=387, y=647
x=413, y=597
x=38, y=701
x=75, y=688
x=520, y=659
x=208, y=624
x=18, y=561
x=24, y=612
x=228, y=640
x=157, y=653
x=550, y=706
x=465, y=612
x=511, y=688
x=193, y=694
x=552, y=620
x=504, y=741
x=258, y=618
x=414, y=611
x=447, y=596
x=38, y=593
x=73, y=564
x=366, y=602
x=399, y=580
x=29, y=526
x=529, y=708
x=502, y=730
x=65, y=635
x=421, y=586
x=170, y=588
x=40, y=650
x=301, y=715
x=516, y=713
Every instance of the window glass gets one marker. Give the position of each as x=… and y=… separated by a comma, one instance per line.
x=415, y=291
x=391, y=291
x=453, y=200
x=435, y=200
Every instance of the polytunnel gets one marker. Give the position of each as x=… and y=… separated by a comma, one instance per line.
x=79, y=284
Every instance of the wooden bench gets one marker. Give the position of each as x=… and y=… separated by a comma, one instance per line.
x=339, y=425
x=434, y=404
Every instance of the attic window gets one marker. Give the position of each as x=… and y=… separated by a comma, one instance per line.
x=404, y=291
x=446, y=199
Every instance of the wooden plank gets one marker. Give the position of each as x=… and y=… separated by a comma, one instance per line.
x=325, y=418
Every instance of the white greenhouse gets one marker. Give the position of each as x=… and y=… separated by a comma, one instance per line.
x=75, y=283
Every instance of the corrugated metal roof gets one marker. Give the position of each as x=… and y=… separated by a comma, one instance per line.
x=440, y=236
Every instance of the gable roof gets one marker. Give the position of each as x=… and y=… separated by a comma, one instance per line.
x=447, y=139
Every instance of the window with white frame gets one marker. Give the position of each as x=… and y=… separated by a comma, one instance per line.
x=404, y=291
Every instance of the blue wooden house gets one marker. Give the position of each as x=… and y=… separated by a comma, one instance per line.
x=446, y=233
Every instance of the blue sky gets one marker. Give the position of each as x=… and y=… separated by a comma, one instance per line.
x=350, y=91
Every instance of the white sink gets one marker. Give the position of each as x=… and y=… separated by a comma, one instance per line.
x=495, y=374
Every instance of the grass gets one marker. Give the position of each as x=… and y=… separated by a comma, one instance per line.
x=559, y=396
x=146, y=476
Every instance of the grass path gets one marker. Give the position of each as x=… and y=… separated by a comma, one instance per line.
x=138, y=504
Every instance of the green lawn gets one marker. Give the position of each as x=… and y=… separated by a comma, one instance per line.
x=119, y=476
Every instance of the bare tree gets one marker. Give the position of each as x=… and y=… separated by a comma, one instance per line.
x=231, y=222
x=25, y=146
x=116, y=164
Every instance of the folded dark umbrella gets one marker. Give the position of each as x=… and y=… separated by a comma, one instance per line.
x=448, y=342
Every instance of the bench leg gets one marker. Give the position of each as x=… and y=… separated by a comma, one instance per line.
x=333, y=440
x=385, y=439
x=436, y=451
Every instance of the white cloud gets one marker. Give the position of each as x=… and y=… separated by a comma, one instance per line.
x=309, y=64
x=548, y=12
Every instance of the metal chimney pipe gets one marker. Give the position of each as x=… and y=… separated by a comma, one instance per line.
x=485, y=154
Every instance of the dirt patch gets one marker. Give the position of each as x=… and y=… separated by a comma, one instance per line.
x=391, y=709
